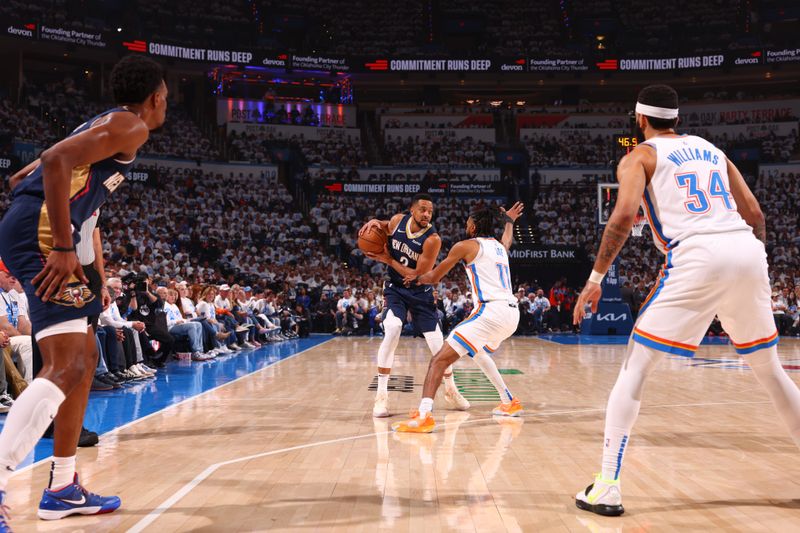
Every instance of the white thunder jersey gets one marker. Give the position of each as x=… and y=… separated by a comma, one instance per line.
x=489, y=273
x=689, y=193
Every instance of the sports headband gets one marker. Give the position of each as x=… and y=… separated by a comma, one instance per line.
x=656, y=112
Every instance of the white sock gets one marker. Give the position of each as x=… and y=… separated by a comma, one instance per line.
x=782, y=390
x=490, y=369
x=623, y=406
x=383, y=383
x=425, y=407
x=449, y=382
x=26, y=422
x=62, y=472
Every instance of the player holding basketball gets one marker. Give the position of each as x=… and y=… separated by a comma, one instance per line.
x=412, y=248
x=494, y=319
x=56, y=194
x=711, y=228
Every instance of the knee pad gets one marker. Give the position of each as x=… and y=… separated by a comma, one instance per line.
x=435, y=340
x=392, y=326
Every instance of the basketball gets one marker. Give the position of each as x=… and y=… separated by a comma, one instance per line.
x=373, y=241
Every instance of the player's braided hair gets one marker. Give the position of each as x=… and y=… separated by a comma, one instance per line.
x=487, y=220
x=134, y=78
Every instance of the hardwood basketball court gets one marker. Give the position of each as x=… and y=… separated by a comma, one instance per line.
x=294, y=447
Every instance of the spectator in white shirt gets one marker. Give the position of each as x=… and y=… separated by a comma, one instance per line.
x=14, y=322
x=179, y=326
x=538, y=308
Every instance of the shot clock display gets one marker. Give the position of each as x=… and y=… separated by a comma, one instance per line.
x=623, y=144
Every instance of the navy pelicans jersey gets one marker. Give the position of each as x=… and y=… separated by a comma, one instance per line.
x=689, y=192
x=405, y=246
x=90, y=185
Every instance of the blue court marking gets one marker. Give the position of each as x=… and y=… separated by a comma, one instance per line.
x=179, y=381
x=613, y=340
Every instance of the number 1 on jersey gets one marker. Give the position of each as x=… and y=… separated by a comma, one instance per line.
x=505, y=275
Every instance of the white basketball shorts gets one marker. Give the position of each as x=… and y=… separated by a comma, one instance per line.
x=723, y=274
x=489, y=324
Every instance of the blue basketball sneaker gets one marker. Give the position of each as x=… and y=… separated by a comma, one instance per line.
x=74, y=499
x=4, y=518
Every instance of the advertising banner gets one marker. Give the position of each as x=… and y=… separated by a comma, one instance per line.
x=211, y=55
x=557, y=64
x=545, y=254
x=410, y=189
x=417, y=174
x=68, y=36
x=783, y=55
x=739, y=112
x=323, y=63
x=428, y=64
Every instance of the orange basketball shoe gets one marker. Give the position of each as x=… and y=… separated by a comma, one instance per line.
x=416, y=424
x=508, y=409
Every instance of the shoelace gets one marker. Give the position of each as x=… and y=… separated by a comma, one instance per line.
x=86, y=493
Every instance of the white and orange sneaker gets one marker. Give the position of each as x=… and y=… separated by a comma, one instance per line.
x=455, y=400
x=381, y=407
x=416, y=424
x=508, y=409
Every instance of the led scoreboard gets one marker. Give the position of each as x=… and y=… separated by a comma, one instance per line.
x=623, y=144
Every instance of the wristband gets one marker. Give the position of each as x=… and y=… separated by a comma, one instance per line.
x=509, y=220
x=62, y=249
x=596, y=277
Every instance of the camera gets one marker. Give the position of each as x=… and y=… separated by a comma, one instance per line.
x=135, y=282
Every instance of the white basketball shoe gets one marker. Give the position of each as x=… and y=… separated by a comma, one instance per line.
x=602, y=497
x=381, y=407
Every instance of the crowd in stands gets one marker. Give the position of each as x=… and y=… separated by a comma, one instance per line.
x=417, y=122
x=439, y=151
x=574, y=147
x=48, y=112
x=492, y=28
x=333, y=148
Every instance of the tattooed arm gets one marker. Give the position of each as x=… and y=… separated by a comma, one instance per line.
x=632, y=175
x=746, y=203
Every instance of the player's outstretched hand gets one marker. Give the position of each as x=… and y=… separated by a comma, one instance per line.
x=383, y=257
x=515, y=212
x=591, y=294
x=374, y=223
x=55, y=275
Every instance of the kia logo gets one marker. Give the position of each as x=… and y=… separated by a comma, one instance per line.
x=611, y=317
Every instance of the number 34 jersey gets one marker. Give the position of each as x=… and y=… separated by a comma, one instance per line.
x=689, y=193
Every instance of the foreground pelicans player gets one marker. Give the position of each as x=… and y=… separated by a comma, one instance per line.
x=38, y=234
x=413, y=246
x=494, y=319
x=710, y=226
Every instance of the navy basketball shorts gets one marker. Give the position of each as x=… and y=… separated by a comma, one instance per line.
x=26, y=240
x=417, y=300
